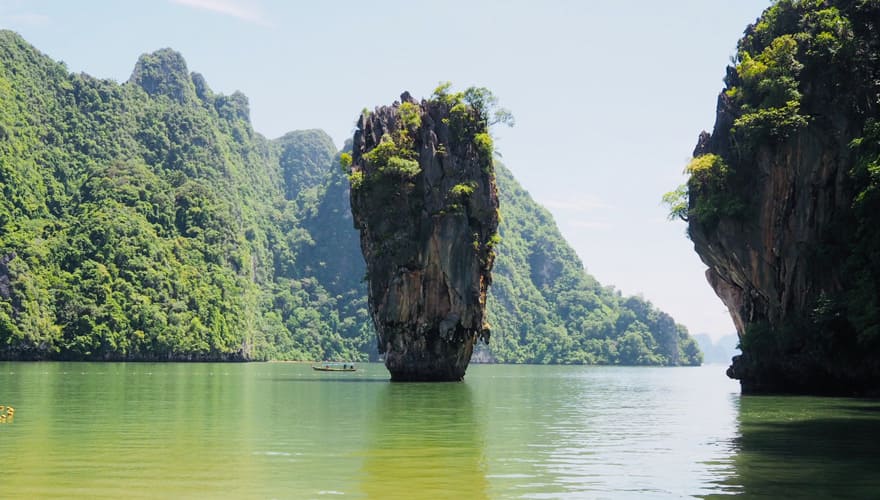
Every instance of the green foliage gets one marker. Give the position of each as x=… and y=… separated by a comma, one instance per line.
x=441, y=93
x=484, y=144
x=345, y=161
x=395, y=157
x=486, y=104
x=303, y=157
x=402, y=167
x=378, y=156
x=708, y=196
x=769, y=122
x=705, y=168
x=772, y=75
x=471, y=113
x=410, y=116
x=769, y=95
x=462, y=190
x=793, y=42
x=478, y=100
x=677, y=202
x=356, y=179
x=494, y=241
x=388, y=157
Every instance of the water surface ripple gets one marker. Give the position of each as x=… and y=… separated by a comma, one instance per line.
x=279, y=430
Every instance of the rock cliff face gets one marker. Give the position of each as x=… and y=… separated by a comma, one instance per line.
x=782, y=199
x=424, y=200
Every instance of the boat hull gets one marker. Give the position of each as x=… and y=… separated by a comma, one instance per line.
x=332, y=369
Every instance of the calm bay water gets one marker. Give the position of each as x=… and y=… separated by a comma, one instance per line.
x=278, y=430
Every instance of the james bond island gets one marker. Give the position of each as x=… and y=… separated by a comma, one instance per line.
x=423, y=197
x=783, y=201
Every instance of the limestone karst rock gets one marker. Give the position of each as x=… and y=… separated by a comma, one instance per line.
x=424, y=200
x=784, y=198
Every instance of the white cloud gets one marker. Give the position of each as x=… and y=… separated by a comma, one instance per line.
x=240, y=9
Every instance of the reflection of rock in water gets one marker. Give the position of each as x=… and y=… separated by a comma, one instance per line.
x=427, y=443
x=806, y=447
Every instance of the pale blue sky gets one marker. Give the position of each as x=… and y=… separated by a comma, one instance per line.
x=609, y=97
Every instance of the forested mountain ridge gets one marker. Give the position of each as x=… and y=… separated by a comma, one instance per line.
x=147, y=220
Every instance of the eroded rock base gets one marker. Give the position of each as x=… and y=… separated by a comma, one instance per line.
x=428, y=358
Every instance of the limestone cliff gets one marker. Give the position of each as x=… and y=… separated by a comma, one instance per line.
x=783, y=199
x=424, y=200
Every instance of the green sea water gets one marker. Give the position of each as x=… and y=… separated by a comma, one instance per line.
x=279, y=430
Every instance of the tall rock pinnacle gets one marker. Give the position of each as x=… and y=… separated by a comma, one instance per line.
x=423, y=197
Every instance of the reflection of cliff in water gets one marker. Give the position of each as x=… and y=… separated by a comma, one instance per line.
x=426, y=443
x=824, y=446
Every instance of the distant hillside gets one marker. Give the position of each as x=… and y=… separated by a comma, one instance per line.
x=147, y=220
x=720, y=351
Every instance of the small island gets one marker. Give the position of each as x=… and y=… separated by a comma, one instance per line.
x=424, y=199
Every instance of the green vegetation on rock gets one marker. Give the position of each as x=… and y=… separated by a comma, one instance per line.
x=709, y=176
x=794, y=42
